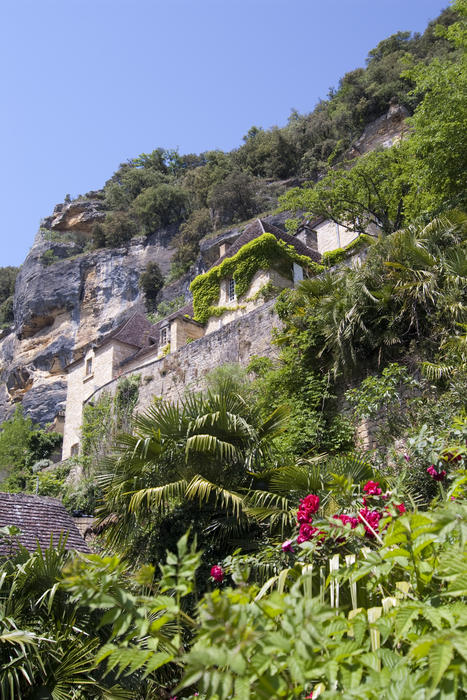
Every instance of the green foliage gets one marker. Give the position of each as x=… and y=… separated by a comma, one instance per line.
x=7, y=287
x=44, y=651
x=165, y=308
x=6, y=312
x=438, y=145
x=334, y=257
x=7, y=282
x=263, y=253
x=151, y=282
x=22, y=444
x=411, y=286
x=370, y=194
x=97, y=424
x=202, y=449
x=49, y=258
x=117, y=229
x=144, y=627
x=315, y=425
x=235, y=198
x=159, y=206
x=286, y=644
x=374, y=392
x=186, y=242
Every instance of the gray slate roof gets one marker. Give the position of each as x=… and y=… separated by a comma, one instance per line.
x=134, y=331
x=38, y=517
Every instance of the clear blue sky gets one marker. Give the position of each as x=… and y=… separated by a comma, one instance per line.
x=87, y=84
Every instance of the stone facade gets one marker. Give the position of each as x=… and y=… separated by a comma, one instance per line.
x=97, y=367
x=331, y=236
x=185, y=369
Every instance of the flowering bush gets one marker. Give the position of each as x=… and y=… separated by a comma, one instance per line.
x=372, y=488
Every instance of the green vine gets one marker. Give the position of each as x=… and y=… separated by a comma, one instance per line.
x=263, y=253
x=333, y=257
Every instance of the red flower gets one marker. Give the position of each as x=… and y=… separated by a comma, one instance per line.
x=311, y=502
x=217, y=573
x=401, y=508
x=372, y=517
x=372, y=488
x=308, y=507
x=307, y=532
x=345, y=519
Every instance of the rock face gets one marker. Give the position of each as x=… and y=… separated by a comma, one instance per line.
x=64, y=299
x=80, y=215
x=383, y=132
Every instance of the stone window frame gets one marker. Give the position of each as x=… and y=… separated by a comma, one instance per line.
x=74, y=449
x=164, y=337
x=231, y=295
x=88, y=367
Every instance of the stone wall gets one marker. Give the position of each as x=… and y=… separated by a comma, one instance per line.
x=171, y=375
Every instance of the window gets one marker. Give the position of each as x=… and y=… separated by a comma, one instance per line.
x=231, y=290
x=74, y=449
x=164, y=336
x=88, y=366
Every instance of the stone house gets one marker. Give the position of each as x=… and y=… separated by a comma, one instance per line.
x=261, y=262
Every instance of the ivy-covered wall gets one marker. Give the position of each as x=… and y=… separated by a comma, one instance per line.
x=263, y=253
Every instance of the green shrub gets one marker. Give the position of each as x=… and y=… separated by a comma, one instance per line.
x=151, y=282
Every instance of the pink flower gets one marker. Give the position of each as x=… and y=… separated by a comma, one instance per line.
x=437, y=476
x=287, y=546
x=217, y=573
x=372, y=488
x=407, y=458
x=372, y=517
x=309, y=697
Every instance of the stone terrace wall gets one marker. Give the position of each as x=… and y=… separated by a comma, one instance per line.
x=171, y=375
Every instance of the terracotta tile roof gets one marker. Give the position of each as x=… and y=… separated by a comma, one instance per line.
x=38, y=518
x=256, y=229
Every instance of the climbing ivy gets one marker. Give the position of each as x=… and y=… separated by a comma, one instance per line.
x=333, y=257
x=263, y=253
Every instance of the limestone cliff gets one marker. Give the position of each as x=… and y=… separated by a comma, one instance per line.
x=65, y=298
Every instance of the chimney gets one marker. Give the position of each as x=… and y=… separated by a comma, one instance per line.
x=222, y=249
